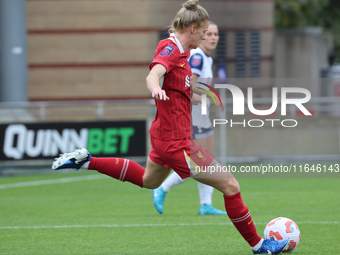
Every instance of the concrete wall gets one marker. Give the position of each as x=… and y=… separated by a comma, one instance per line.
x=299, y=57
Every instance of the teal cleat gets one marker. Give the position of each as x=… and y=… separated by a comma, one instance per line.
x=210, y=210
x=273, y=247
x=158, y=198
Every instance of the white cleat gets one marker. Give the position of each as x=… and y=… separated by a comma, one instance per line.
x=73, y=160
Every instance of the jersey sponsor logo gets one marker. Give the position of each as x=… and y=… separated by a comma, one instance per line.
x=187, y=81
x=196, y=60
x=166, y=51
x=182, y=64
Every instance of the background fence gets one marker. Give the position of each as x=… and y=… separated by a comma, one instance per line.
x=239, y=139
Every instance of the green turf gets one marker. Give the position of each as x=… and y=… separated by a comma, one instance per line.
x=105, y=209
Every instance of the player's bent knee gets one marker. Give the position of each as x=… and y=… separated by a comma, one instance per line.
x=234, y=186
x=230, y=187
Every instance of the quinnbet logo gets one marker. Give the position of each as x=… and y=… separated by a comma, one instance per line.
x=38, y=141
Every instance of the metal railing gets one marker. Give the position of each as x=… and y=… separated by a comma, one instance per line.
x=42, y=110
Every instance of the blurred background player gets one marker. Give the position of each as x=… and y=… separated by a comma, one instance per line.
x=201, y=67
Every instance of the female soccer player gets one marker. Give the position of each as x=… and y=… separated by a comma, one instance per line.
x=170, y=133
x=201, y=63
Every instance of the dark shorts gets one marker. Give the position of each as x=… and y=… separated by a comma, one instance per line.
x=184, y=156
x=199, y=132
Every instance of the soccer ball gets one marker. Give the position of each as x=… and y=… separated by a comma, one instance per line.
x=283, y=228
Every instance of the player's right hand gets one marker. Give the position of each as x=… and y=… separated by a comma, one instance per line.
x=159, y=94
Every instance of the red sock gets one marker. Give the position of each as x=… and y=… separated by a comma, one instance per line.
x=241, y=218
x=119, y=168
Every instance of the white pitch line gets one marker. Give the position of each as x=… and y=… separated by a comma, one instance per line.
x=54, y=181
x=147, y=225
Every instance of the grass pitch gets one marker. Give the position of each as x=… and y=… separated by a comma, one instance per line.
x=58, y=214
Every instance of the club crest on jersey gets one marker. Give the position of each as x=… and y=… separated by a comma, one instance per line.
x=196, y=60
x=166, y=51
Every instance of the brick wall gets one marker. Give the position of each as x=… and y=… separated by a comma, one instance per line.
x=100, y=49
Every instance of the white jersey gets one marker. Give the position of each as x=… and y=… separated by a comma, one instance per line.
x=201, y=64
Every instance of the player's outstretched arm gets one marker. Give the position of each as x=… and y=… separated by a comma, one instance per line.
x=152, y=82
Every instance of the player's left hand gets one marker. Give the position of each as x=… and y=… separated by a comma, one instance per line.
x=219, y=107
x=196, y=99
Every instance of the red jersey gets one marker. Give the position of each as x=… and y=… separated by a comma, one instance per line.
x=173, y=118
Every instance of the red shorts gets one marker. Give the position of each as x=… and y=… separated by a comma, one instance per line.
x=184, y=156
